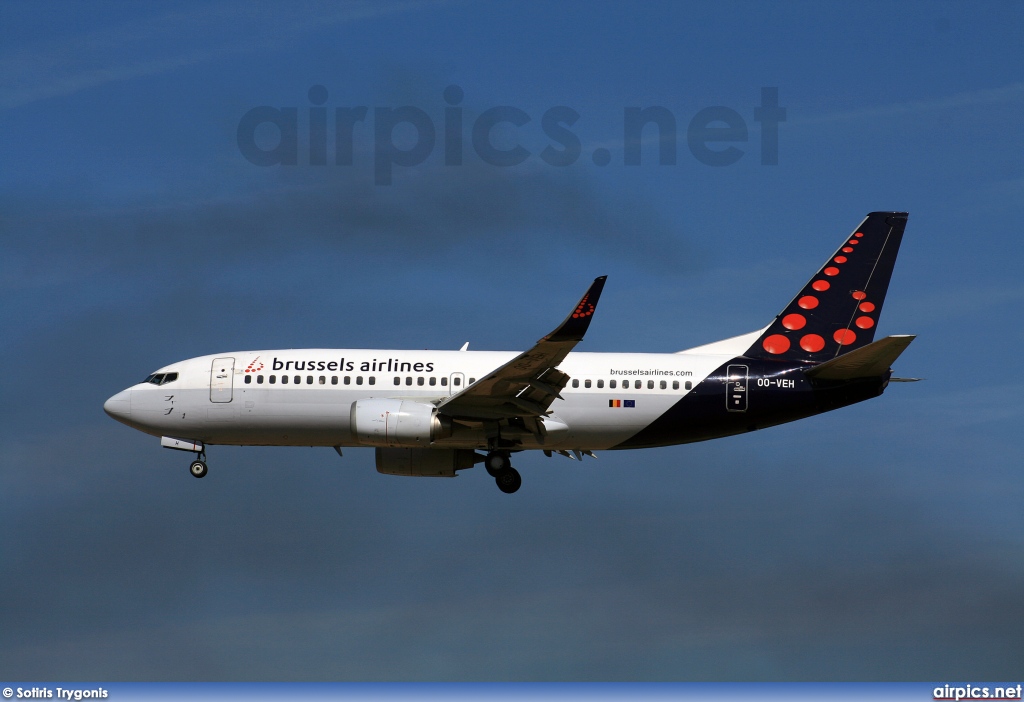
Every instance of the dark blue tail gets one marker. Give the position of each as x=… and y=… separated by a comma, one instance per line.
x=838, y=309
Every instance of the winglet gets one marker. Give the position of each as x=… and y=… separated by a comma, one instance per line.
x=576, y=324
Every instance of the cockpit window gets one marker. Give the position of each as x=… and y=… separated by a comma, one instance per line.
x=161, y=378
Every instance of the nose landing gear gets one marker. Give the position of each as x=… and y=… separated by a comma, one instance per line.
x=499, y=466
x=198, y=467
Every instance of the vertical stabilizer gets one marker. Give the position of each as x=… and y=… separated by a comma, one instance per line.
x=838, y=309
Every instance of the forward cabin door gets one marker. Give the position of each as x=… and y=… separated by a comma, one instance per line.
x=222, y=377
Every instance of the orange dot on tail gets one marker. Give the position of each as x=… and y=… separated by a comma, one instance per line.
x=776, y=343
x=844, y=337
x=847, y=249
x=794, y=321
x=831, y=270
x=865, y=322
x=867, y=307
x=840, y=259
x=812, y=343
x=821, y=285
x=808, y=302
x=859, y=294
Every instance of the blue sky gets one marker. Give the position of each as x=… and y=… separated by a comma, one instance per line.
x=882, y=541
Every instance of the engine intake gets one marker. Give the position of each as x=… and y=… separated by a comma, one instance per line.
x=393, y=423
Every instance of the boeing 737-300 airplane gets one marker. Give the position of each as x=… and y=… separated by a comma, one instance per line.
x=428, y=413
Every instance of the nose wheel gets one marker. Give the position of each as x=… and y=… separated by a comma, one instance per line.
x=499, y=466
x=198, y=467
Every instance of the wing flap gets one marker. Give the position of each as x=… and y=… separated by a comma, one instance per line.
x=871, y=361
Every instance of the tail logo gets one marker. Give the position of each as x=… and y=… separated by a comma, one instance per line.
x=780, y=343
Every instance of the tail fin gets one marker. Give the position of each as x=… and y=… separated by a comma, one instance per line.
x=838, y=309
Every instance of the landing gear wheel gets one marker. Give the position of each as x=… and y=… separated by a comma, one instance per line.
x=197, y=469
x=496, y=462
x=508, y=480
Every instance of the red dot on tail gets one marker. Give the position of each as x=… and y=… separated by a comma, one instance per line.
x=854, y=241
x=776, y=343
x=865, y=322
x=812, y=343
x=808, y=302
x=867, y=307
x=794, y=321
x=831, y=270
x=859, y=234
x=821, y=285
x=847, y=249
x=844, y=337
x=859, y=294
x=840, y=259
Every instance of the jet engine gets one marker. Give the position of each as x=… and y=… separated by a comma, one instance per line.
x=397, y=423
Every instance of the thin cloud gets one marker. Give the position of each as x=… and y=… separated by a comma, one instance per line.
x=1014, y=92
x=30, y=73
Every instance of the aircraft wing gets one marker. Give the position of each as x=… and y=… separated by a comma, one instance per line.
x=528, y=384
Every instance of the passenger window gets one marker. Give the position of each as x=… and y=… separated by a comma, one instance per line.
x=611, y=384
x=398, y=381
x=433, y=381
x=675, y=384
x=689, y=385
x=444, y=382
x=359, y=380
x=348, y=380
x=373, y=380
x=600, y=383
x=248, y=379
x=259, y=380
x=586, y=383
x=309, y=380
x=472, y=380
x=323, y=380
x=456, y=381
x=650, y=384
x=408, y=380
x=334, y=380
x=664, y=385
x=419, y=380
x=298, y=380
x=575, y=382
x=284, y=379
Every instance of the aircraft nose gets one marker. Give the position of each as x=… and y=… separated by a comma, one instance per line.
x=120, y=406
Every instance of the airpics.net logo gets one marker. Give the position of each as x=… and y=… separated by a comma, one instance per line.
x=270, y=136
x=977, y=692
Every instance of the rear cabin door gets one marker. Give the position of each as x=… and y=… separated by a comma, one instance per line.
x=222, y=377
x=736, y=388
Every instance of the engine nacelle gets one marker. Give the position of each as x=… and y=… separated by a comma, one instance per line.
x=425, y=463
x=387, y=422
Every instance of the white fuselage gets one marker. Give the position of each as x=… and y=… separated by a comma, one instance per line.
x=304, y=397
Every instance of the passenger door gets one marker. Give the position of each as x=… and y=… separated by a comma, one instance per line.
x=222, y=377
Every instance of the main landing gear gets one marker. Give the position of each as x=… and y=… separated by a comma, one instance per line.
x=499, y=467
x=198, y=467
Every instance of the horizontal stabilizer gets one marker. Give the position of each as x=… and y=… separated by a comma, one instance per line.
x=871, y=361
